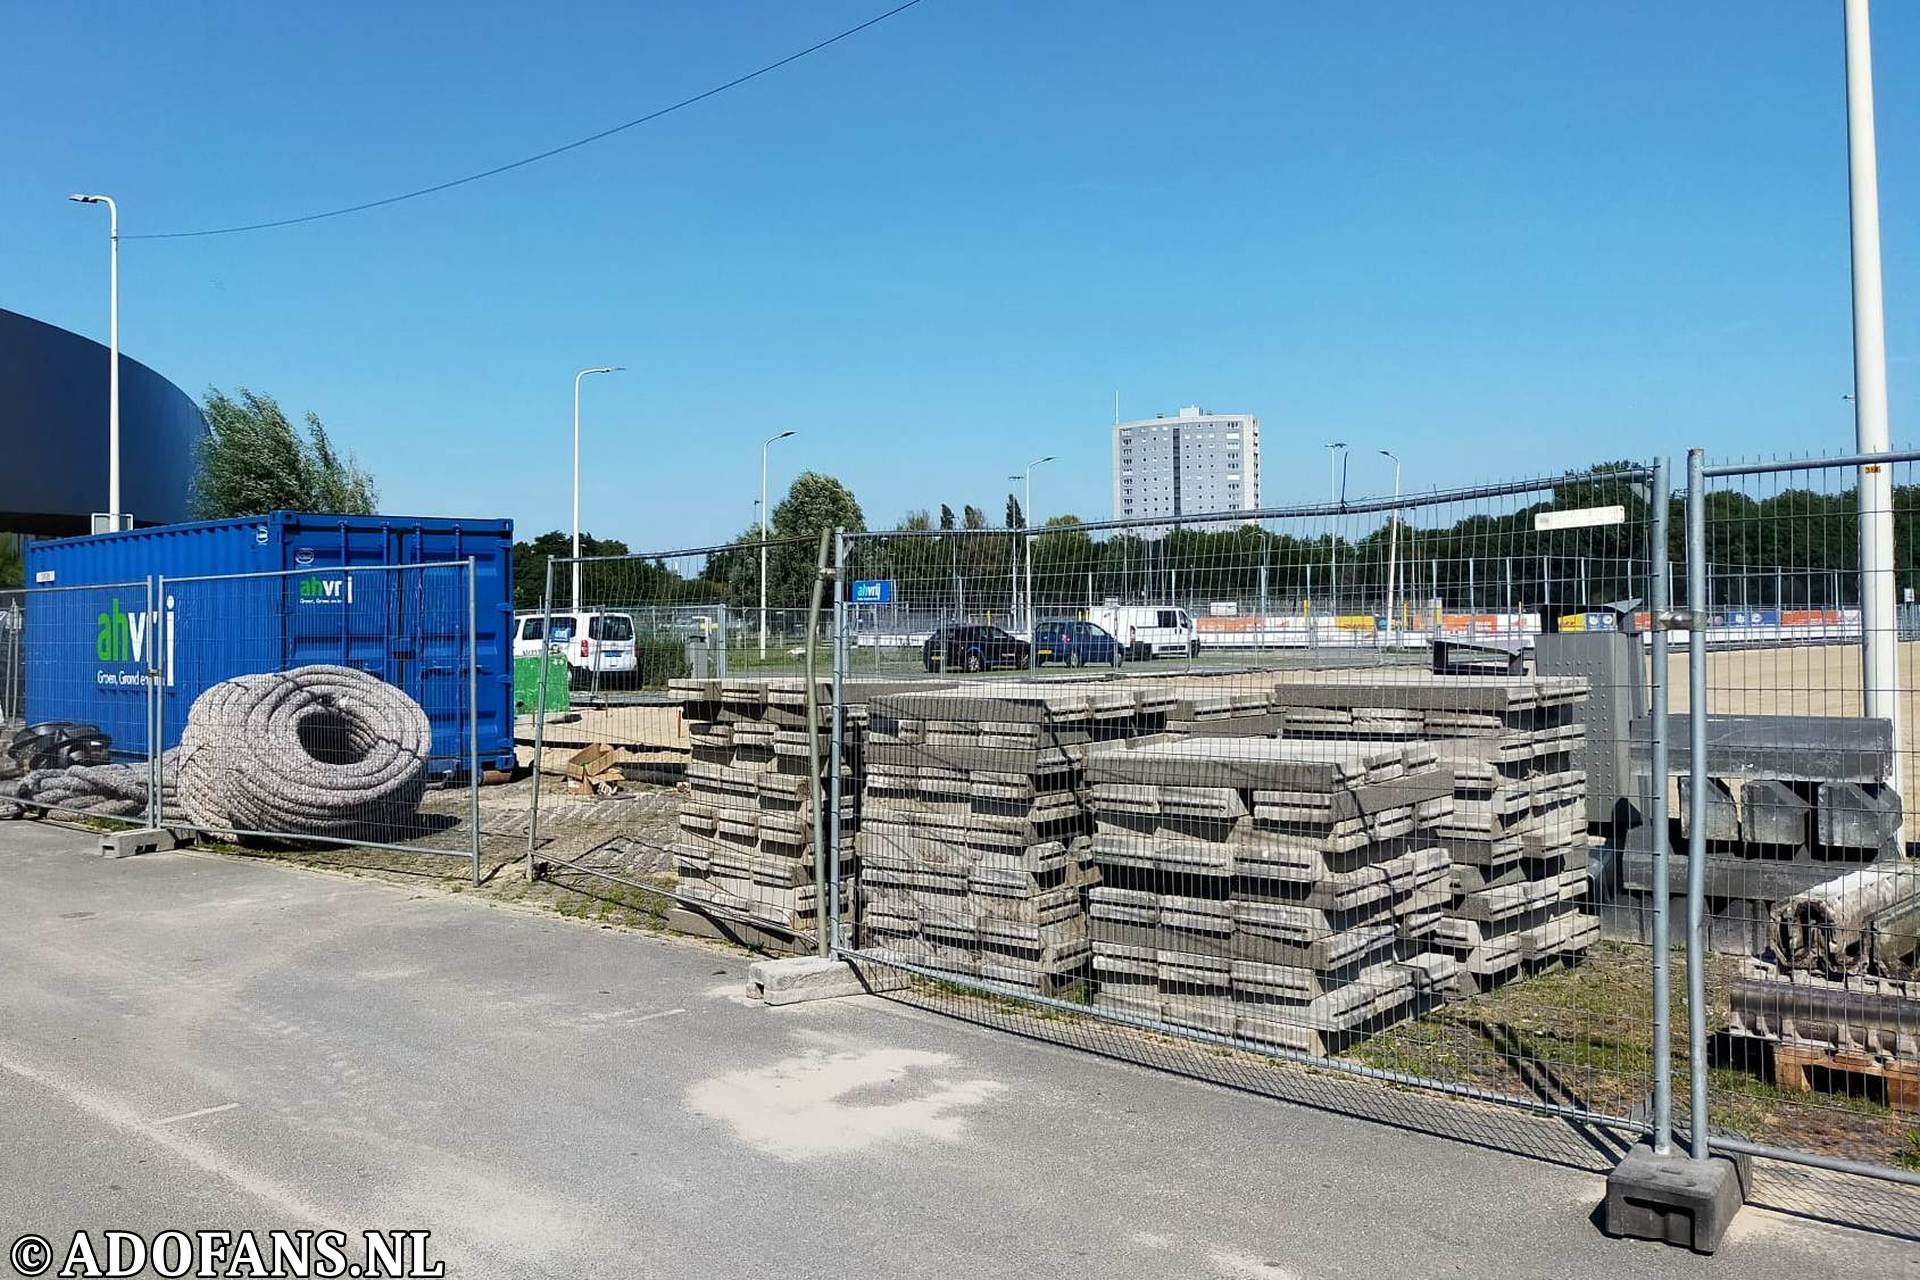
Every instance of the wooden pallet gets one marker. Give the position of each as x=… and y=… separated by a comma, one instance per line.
x=1792, y=1060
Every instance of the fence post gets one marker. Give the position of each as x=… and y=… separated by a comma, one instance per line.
x=1026, y=589
x=1697, y=801
x=154, y=767
x=813, y=743
x=840, y=659
x=1657, y=608
x=473, y=711
x=540, y=721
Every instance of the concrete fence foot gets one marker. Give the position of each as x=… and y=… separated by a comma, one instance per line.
x=1674, y=1198
x=126, y=844
x=794, y=979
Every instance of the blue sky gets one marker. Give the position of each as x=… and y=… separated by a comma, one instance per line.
x=1501, y=238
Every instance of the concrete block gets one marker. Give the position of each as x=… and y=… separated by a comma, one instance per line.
x=797, y=979
x=1674, y=1198
x=1775, y=812
x=1723, y=816
x=127, y=844
x=1858, y=815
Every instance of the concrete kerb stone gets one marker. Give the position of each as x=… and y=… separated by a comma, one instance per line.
x=797, y=979
x=1674, y=1198
x=127, y=844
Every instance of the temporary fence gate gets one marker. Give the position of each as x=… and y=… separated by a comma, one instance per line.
x=1289, y=837
x=681, y=664
x=79, y=655
x=130, y=659
x=1803, y=909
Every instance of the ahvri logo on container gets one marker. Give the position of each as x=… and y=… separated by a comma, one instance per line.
x=136, y=639
x=315, y=589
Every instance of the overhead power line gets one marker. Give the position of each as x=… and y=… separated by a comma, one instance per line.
x=548, y=154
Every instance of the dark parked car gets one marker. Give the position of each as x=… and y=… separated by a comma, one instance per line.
x=972, y=647
x=1076, y=643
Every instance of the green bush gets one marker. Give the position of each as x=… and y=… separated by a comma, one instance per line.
x=660, y=659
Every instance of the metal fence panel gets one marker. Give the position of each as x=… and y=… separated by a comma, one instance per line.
x=675, y=678
x=79, y=657
x=335, y=707
x=1207, y=782
x=1793, y=816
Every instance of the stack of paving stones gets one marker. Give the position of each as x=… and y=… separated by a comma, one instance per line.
x=745, y=845
x=1517, y=834
x=1218, y=707
x=974, y=825
x=1278, y=892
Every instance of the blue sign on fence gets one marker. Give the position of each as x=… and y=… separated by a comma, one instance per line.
x=873, y=591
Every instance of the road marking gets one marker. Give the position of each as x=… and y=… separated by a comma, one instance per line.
x=195, y=1115
x=208, y=1160
x=664, y=1013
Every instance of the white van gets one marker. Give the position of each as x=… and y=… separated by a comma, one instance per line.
x=1149, y=631
x=594, y=644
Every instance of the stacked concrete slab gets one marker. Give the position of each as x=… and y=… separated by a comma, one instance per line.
x=745, y=844
x=974, y=824
x=1217, y=708
x=1281, y=892
x=1792, y=802
x=1517, y=834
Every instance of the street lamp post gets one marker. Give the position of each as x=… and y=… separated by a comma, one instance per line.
x=612, y=368
x=113, y=352
x=1393, y=536
x=1878, y=625
x=1335, y=449
x=764, y=446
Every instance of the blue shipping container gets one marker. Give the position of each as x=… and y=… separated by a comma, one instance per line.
x=408, y=628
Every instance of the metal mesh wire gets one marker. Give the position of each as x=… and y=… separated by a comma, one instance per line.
x=1203, y=783
x=673, y=743
x=75, y=710
x=331, y=706
x=1812, y=906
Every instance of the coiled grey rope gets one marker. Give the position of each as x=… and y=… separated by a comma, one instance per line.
x=103, y=790
x=317, y=751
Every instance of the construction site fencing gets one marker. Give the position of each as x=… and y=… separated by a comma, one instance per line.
x=336, y=706
x=686, y=677
x=1792, y=817
x=1203, y=782
x=75, y=663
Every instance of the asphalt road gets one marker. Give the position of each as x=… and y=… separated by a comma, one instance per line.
x=190, y=1040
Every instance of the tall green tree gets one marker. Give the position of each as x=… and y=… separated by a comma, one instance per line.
x=13, y=562
x=814, y=502
x=253, y=460
x=530, y=566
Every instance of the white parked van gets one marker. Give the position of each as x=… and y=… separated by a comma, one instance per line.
x=1149, y=631
x=593, y=643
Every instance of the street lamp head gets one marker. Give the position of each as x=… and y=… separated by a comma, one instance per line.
x=77, y=198
x=784, y=434
x=1388, y=453
x=1037, y=461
